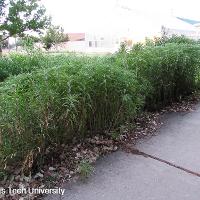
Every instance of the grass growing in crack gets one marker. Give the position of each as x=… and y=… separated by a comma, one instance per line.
x=85, y=169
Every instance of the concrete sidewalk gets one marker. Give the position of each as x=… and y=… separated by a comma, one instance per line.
x=122, y=176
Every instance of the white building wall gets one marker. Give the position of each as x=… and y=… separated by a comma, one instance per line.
x=188, y=33
x=95, y=42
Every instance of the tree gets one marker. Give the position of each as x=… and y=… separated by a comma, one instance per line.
x=20, y=16
x=54, y=35
x=28, y=43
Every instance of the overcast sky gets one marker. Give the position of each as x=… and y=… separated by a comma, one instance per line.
x=77, y=15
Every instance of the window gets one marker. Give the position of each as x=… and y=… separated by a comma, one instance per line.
x=90, y=43
x=95, y=43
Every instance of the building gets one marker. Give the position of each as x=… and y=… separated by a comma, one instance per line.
x=176, y=26
x=96, y=42
x=132, y=26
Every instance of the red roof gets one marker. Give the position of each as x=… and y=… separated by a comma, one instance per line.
x=76, y=36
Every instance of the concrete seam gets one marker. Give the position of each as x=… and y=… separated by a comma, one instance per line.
x=138, y=152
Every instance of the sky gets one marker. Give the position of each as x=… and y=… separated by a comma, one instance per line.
x=82, y=15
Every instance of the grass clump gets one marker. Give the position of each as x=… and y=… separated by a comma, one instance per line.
x=85, y=169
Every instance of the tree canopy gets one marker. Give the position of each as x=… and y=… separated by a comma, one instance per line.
x=20, y=16
x=54, y=35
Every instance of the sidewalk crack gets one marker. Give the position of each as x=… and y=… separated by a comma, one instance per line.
x=135, y=151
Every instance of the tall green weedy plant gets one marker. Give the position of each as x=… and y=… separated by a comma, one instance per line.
x=168, y=72
x=56, y=104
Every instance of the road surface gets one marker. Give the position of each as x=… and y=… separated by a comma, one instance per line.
x=123, y=176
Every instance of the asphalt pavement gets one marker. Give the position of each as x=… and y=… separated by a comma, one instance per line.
x=123, y=176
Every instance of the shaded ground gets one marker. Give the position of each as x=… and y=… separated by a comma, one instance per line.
x=127, y=176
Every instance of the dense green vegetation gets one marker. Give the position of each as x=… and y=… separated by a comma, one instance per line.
x=169, y=71
x=21, y=16
x=48, y=99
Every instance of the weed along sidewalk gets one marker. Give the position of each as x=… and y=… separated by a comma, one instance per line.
x=167, y=168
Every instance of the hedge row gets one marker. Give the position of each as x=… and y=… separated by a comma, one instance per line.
x=83, y=95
